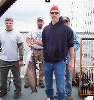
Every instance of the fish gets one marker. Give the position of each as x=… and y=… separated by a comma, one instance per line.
x=31, y=74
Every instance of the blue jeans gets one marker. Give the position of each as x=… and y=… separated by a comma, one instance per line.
x=68, y=84
x=59, y=71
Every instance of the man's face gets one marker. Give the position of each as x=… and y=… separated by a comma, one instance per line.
x=9, y=25
x=40, y=24
x=55, y=15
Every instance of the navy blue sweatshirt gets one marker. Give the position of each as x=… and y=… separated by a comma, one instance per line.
x=57, y=39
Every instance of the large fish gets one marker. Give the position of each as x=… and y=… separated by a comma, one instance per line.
x=31, y=74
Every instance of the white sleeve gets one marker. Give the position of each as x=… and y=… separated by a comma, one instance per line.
x=19, y=38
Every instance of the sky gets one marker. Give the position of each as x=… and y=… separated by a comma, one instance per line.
x=25, y=13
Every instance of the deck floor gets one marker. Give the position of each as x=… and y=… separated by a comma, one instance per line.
x=40, y=95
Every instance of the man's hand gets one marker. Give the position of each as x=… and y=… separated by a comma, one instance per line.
x=71, y=66
x=21, y=63
x=71, y=63
x=38, y=42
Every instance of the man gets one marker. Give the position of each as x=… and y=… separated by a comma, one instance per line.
x=68, y=75
x=57, y=38
x=11, y=57
x=37, y=49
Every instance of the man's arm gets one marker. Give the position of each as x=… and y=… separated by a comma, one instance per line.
x=31, y=41
x=76, y=41
x=21, y=53
x=71, y=51
x=71, y=63
x=38, y=42
x=21, y=50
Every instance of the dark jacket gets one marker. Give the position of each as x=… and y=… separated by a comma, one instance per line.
x=57, y=39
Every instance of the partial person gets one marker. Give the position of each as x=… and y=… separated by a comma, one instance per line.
x=68, y=74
